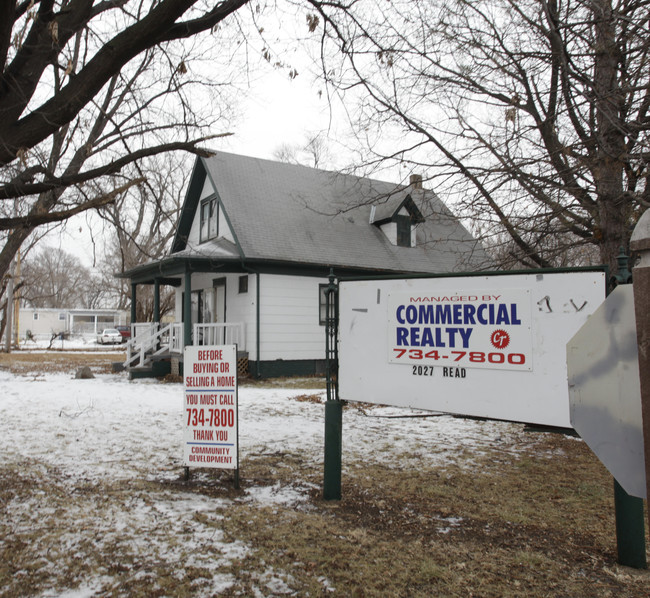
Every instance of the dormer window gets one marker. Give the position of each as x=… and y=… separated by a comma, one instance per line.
x=403, y=231
x=398, y=221
x=209, y=219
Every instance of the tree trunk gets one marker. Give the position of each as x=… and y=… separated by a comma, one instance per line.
x=612, y=226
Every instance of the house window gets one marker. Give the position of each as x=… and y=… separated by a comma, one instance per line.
x=403, y=231
x=209, y=220
x=243, y=284
x=35, y=315
x=61, y=316
x=322, y=304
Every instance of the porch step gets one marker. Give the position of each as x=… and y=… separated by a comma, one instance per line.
x=156, y=369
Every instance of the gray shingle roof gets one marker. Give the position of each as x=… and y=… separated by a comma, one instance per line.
x=293, y=213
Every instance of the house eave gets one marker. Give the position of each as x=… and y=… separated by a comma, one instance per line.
x=169, y=269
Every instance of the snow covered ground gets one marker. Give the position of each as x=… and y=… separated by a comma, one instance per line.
x=124, y=437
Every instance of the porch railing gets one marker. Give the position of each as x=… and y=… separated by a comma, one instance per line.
x=151, y=339
x=221, y=333
x=147, y=341
x=176, y=338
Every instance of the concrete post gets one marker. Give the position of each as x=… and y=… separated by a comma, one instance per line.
x=640, y=243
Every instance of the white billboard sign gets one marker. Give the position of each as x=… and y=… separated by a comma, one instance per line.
x=484, y=346
x=210, y=414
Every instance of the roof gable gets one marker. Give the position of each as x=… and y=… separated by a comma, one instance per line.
x=188, y=234
x=192, y=198
x=388, y=213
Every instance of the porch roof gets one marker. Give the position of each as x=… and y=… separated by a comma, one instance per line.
x=169, y=270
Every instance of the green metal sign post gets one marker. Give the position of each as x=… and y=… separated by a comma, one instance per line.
x=630, y=528
x=333, y=407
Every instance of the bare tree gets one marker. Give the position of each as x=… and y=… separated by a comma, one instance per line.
x=534, y=113
x=89, y=87
x=141, y=225
x=53, y=278
x=313, y=153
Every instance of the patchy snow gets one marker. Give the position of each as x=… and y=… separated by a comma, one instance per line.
x=277, y=495
x=121, y=435
x=75, y=342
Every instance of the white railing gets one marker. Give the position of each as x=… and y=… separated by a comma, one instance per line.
x=143, y=329
x=176, y=338
x=147, y=341
x=221, y=333
x=151, y=339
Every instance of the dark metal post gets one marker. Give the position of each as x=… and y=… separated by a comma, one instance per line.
x=630, y=532
x=133, y=302
x=187, y=309
x=630, y=529
x=333, y=407
x=640, y=243
x=156, y=301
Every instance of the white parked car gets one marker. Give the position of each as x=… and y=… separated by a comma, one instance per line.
x=109, y=336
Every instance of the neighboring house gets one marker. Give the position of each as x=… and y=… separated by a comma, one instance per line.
x=256, y=241
x=43, y=322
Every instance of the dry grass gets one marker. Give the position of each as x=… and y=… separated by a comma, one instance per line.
x=315, y=382
x=535, y=522
x=54, y=361
x=509, y=527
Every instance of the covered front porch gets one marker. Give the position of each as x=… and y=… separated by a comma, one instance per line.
x=200, y=316
x=155, y=342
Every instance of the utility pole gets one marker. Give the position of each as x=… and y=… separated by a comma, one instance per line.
x=16, y=314
x=10, y=308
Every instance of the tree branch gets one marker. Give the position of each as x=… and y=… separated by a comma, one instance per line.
x=22, y=189
x=38, y=219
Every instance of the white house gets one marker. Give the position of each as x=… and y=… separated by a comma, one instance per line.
x=43, y=322
x=255, y=243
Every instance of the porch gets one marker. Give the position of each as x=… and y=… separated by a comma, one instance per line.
x=155, y=342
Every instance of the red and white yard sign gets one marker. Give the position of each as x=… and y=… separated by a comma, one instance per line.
x=210, y=417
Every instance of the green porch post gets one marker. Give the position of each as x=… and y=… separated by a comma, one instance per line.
x=187, y=309
x=156, y=300
x=133, y=301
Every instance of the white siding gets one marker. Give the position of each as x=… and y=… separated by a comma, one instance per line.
x=224, y=229
x=208, y=189
x=239, y=307
x=289, y=327
x=194, y=236
x=289, y=313
x=390, y=230
x=46, y=324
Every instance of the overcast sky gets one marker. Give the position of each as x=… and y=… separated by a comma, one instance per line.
x=277, y=111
